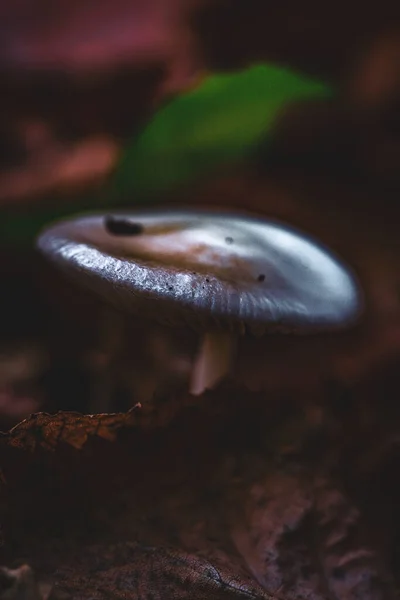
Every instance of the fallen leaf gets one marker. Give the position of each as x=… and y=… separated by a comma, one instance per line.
x=157, y=573
x=304, y=539
x=216, y=123
x=47, y=431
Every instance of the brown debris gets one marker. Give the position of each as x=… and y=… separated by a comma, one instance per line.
x=96, y=36
x=376, y=79
x=60, y=168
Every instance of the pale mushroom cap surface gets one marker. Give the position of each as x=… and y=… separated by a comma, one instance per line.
x=207, y=270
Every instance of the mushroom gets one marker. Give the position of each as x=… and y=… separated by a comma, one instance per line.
x=222, y=274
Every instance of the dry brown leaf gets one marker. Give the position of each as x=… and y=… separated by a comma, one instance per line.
x=302, y=536
x=149, y=572
x=47, y=431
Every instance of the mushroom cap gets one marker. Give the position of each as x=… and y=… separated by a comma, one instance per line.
x=207, y=270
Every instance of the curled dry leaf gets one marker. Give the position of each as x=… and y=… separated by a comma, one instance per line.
x=47, y=431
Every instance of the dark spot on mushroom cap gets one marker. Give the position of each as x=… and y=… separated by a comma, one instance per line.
x=121, y=226
x=157, y=273
x=229, y=240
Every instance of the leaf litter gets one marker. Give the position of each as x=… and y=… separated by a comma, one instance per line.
x=202, y=500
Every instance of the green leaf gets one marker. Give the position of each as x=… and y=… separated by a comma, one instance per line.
x=217, y=123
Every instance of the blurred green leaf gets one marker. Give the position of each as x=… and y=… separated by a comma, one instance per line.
x=217, y=123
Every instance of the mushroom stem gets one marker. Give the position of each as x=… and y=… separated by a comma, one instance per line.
x=213, y=361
